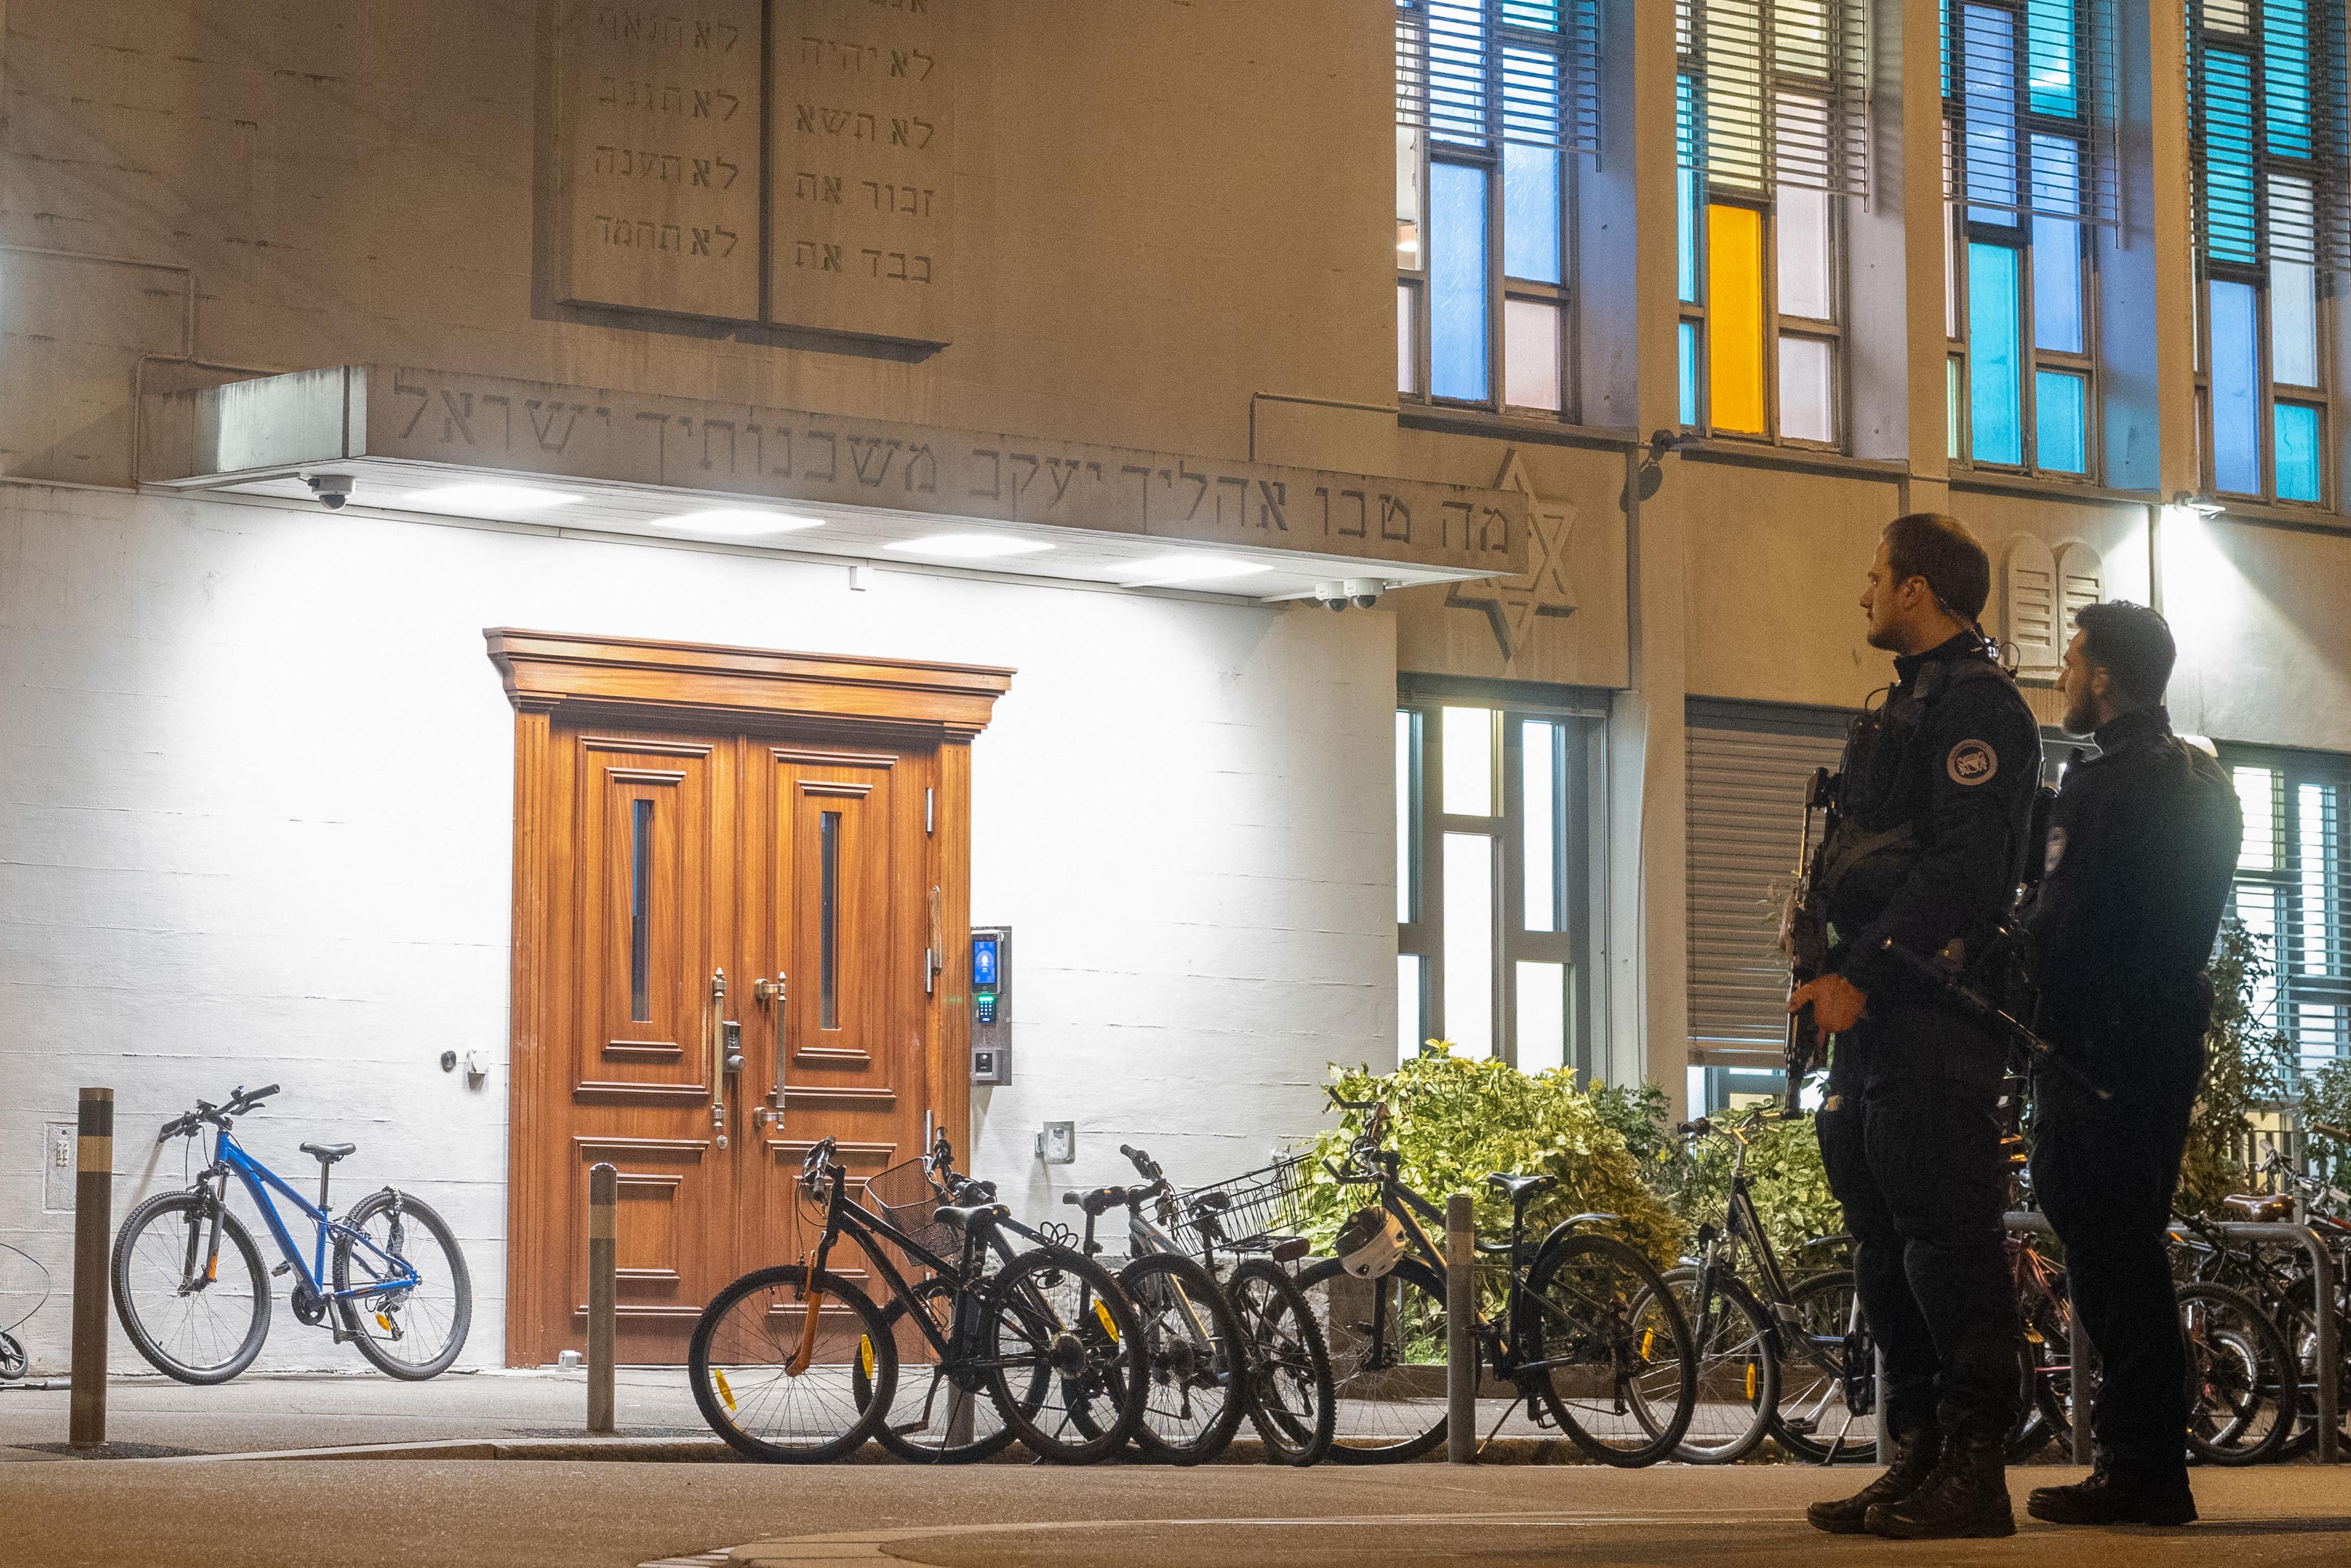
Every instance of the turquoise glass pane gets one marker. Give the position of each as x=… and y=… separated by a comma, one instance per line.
x=2229, y=232
x=2052, y=58
x=1995, y=356
x=2297, y=452
x=2061, y=421
x=1988, y=60
x=2285, y=76
x=1458, y=308
x=1457, y=71
x=1531, y=13
x=1530, y=212
x=2236, y=389
x=1943, y=13
x=1690, y=372
x=1688, y=187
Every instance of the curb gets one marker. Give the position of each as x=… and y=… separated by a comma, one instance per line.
x=1502, y=1451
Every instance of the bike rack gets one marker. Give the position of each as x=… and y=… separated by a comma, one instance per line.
x=2321, y=1264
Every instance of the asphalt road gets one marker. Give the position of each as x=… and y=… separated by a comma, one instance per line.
x=531, y=1514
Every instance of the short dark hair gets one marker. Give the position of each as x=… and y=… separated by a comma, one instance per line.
x=1939, y=548
x=2132, y=643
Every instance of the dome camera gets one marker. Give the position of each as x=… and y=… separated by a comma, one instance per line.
x=1362, y=592
x=1331, y=595
x=331, y=489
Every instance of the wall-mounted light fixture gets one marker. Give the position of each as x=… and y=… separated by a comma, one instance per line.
x=2202, y=505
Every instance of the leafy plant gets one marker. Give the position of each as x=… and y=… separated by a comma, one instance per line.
x=2248, y=1068
x=1784, y=1173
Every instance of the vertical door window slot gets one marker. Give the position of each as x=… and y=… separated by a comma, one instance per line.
x=828, y=922
x=641, y=859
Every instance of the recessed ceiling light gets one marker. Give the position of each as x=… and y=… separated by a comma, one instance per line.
x=967, y=546
x=738, y=522
x=489, y=497
x=1188, y=568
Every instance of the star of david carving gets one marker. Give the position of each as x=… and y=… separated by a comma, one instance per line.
x=1511, y=603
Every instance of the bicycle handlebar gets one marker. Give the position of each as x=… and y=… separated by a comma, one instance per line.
x=1144, y=1166
x=240, y=1101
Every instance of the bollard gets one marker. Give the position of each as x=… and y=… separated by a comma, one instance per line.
x=1460, y=1342
x=93, y=1230
x=1882, y=1451
x=603, y=1204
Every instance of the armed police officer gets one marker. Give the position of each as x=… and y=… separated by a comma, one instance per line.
x=1934, y=793
x=2141, y=847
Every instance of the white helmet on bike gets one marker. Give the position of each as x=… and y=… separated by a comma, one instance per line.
x=1370, y=1243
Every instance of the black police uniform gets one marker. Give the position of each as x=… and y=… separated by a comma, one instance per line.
x=1933, y=807
x=2142, y=846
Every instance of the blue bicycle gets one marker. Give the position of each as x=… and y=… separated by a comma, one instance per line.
x=189, y=1285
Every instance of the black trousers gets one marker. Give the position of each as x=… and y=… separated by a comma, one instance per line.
x=2103, y=1173
x=1910, y=1137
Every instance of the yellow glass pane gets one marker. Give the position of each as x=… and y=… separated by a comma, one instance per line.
x=1734, y=317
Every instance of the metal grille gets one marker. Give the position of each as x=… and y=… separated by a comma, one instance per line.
x=2031, y=118
x=1262, y=1202
x=2271, y=131
x=1774, y=92
x=1473, y=73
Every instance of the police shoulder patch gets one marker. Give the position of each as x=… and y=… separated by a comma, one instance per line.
x=1971, y=762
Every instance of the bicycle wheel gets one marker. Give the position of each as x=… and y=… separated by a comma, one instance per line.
x=196, y=1310
x=1828, y=1376
x=1058, y=1322
x=1385, y=1339
x=774, y=1390
x=411, y=1331
x=1613, y=1362
x=1195, y=1394
x=2045, y=1378
x=1289, y=1401
x=2244, y=1388
x=1738, y=1374
x=942, y=1413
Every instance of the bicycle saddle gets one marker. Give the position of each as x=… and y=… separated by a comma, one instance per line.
x=328, y=1152
x=1101, y=1201
x=965, y=1216
x=1521, y=1187
x=2259, y=1207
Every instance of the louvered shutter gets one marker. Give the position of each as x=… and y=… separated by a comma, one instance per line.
x=1748, y=764
x=1476, y=72
x=2029, y=608
x=2269, y=130
x=1776, y=93
x=2031, y=105
x=2081, y=580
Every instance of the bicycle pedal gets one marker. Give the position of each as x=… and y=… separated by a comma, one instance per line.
x=281, y=1269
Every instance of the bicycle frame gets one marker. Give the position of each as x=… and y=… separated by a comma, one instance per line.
x=229, y=1158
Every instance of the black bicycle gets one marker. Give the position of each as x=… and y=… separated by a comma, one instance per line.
x=1588, y=1335
x=796, y=1364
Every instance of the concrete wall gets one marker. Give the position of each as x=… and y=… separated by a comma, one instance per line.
x=257, y=775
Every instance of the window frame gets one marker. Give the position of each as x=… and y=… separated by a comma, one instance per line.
x=2292, y=770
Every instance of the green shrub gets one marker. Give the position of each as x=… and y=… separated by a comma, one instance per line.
x=2248, y=1068
x=1784, y=1175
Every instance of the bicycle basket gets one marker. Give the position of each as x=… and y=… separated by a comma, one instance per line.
x=903, y=1196
x=1260, y=1203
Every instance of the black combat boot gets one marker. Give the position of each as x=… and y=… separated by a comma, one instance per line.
x=1914, y=1461
x=1966, y=1496
x=2112, y=1497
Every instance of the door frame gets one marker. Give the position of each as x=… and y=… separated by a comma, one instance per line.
x=640, y=681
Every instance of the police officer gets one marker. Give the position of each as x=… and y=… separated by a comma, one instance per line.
x=2142, y=845
x=1937, y=788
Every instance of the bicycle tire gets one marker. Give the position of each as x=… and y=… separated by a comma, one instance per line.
x=1738, y=1368
x=424, y=1303
x=2292, y=1316
x=1595, y=1300
x=2238, y=1363
x=1089, y=1340
x=760, y=1347
x=919, y=1428
x=1829, y=1379
x=133, y=1263
x=1175, y=1301
x=1290, y=1400
x=1387, y=1398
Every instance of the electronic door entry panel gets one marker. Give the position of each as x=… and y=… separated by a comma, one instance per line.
x=991, y=1004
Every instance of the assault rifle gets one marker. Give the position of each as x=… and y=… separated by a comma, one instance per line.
x=1984, y=1010
x=1805, y=935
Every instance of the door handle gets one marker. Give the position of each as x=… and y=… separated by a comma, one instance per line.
x=769, y=994
x=715, y=1026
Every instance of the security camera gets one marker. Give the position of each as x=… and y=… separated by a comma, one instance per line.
x=1362, y=592
x=331, y=489
x=1331, y=595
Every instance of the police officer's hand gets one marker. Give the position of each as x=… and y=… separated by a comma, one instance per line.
x=1837, y=1003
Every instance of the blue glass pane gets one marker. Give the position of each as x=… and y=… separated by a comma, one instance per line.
x=2229, y=211
x=1988, y=44
x=2293, y=323
x=1457, y=71
x=2297, y=452
x=1943, y=11
x=1690, y=372
x=1531, y=96
x=2057, y=286
x=2236, y=389
x=1458, y=332
x=2050, y=59
x=1995, y=356
x=1530, y=212
x=2060, y=423
x=2285, y=76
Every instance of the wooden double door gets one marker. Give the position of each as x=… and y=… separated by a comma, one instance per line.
x=741, y=945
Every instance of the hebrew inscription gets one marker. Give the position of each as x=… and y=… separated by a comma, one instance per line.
x=660, y=156
x=861, y=166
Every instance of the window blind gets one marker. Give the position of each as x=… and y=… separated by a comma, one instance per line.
x=2031, y=109
x=2267, y=86
x=1474, y=73
x=2290, y=889
x=1774, y=92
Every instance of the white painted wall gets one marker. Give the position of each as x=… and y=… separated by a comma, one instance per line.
x=255, y=808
